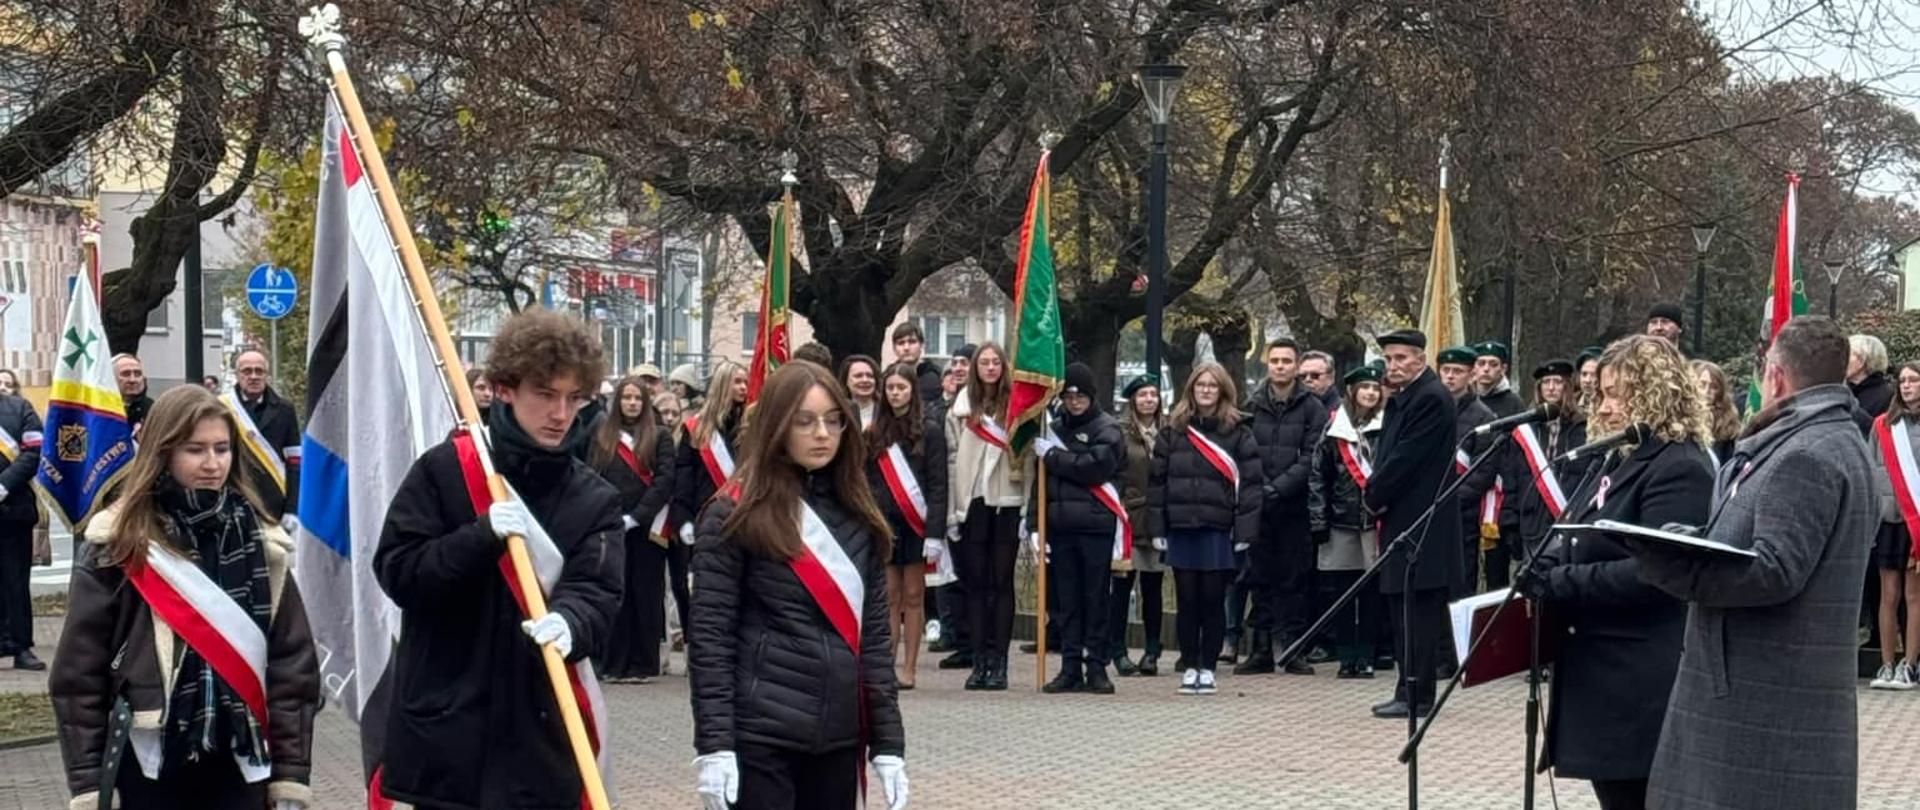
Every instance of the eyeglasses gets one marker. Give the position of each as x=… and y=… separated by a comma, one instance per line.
x=805, y=422
x=1313, y=375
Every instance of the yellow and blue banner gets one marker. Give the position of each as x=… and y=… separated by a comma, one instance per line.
x=87, y=440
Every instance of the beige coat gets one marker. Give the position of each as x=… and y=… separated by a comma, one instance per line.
x=968, y=455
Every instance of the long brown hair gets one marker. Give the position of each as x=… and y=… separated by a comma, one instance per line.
x=905, y=429
x=719, y=401
x=606, y=439
x=1228, y=413
x=770, y=483
x=1723, y=417
x=1897, y=408
x=169, y=424
x=988, y=399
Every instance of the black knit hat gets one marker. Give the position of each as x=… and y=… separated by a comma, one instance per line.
x=966, y=351
x=1079, y=380
x=1670, y=311
x=1143, y=381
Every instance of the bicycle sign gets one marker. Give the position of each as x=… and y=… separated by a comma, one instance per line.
x=271, y=291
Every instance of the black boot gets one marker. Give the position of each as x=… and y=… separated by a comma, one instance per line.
x=1124, y=666
x=1097, y=682
x=978, y=680
x=959, y=660
x=996, y=680
x=1068, y=680
x=25, y=659
x=1149, y=665
x=1259, y=656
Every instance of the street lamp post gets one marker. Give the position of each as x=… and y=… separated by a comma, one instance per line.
x=1834, y=268
x=1702, y=239
x=1159, y=84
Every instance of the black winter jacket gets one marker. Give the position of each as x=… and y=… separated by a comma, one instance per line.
x=1334, y=498
x=693, y=485
x=1874, y=392
x=1186, y=492
x=1471, y=413
x=929, y=467
x=474, y=723
x=765, y=665
x=638, y=499
x=1524, y=513
x=281, y=428
x=1095, y=454
x=927, y=375
x=1504, y=403
x=1287, y=431
x=19, y=420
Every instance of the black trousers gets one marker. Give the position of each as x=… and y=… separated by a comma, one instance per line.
x=16, y=597
x=677, y=555
x=775, y=779
x=1081, y=567
x=213, y=783
x=1152, y=611
x=633, y=649
x=1621, y=794
x=1470, y=532
x=989, y=543
x=1200, y=623
x=950, y=603
x=1282, y=579
x=1417, y=656
x=1500, y=560
x=1353, y=629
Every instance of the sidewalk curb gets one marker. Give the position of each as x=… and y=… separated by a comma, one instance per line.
x=28, y=742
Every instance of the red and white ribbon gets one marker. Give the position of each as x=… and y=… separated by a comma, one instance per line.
x=1489, y=502
x=714, y=454
x=657, y=531
x=990, y=432
x=1902, y=472
x=1109, y=496
x=1543, y=478
x=207, y=618
x=833, y=581
x=905, y=488
x=1217, y=456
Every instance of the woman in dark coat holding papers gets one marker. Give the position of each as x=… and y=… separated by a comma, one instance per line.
x=1620, y=637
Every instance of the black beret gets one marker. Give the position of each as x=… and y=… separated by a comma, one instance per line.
x=1554, y=368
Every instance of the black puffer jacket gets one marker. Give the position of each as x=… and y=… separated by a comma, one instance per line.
x=930, y=470
x=692, y=484
x=474, y=723
x=1287, y=431
x=1334, y=499
x=766, y=666
x=1186, y=491
x=638, y=499
x=1095, y=454
x=20, y=421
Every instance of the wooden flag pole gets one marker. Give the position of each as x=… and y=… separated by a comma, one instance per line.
x=446, y=359
x=1040, y=561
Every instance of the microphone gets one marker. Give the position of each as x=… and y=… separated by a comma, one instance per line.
x=1540, y=413
x=1632, y=435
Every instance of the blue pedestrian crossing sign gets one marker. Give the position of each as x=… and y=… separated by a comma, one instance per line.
x=271, y=291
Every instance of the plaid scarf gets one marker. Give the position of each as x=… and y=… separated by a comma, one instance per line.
x=205, y=715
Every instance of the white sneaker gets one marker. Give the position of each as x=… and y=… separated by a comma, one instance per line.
x=1190, y=682
x=1206, y=683
x=1902, y=677
x=1882, y=679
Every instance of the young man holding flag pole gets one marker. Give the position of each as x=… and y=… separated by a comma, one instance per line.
x=379, y=228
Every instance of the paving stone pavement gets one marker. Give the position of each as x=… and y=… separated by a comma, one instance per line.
x=1272, y=741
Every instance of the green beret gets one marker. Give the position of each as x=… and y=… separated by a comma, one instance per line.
x=1457, y=356
x=1370, y=372
x=1493, y=348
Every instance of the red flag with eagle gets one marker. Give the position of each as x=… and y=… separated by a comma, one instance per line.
x=1038, y=358
x=770, y=345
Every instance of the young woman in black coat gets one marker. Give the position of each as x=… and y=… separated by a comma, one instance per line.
x=789, y=653
x=706, y=455
x=1203, y=502
x=1620, y=637
x=1525, y=516
x=901, y=431
x=635, y=454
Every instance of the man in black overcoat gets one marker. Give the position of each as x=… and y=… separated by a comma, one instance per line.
x=1411, y=463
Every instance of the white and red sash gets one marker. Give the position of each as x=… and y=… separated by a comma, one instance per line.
x=1109, y=496
x=657, y=532
x=1358, y=466
x=1902, y=471
x=208, y=619
x=714, y=454
x=1217, y=456
x=834, y=582
x=905, y=488
x=1490, y=502
x=547, y=562
x=1543, y=478
x=989, y=431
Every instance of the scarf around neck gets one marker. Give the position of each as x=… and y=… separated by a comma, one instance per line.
x=205, y=715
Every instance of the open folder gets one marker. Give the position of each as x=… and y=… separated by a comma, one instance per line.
x=1504, y=645
x=1699, y=545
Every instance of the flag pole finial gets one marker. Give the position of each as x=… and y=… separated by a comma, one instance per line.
x=1048, y=139
x=321, y=27
x=789, y=162
x=1446, y=153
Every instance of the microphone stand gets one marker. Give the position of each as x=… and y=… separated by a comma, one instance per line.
x=1404, y=541
x=1515, y=593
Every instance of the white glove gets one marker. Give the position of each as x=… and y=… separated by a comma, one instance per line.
x=717, y=780
x=289, y=523
x=953, y=532
x=289, y=804
x=3, y=493
x=508, y=517
x=1046, y=443
x=1241, y=547
x=1160, y=544
x=628, y=523
x=550, y=629
x=893, y=779
x=686, y=535
x=936, y=548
